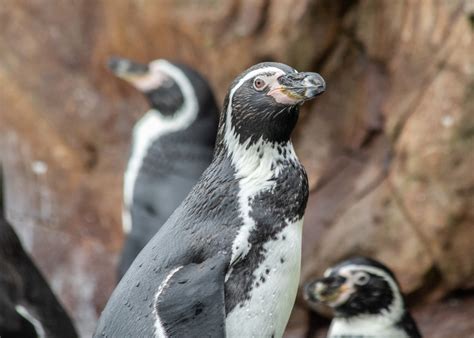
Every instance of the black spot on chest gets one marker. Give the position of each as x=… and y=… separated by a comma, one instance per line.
x=272, y=210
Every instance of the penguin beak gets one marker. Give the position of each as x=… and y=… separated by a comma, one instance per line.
x=296, y=88
x=326, y=290
x=141, y=76
x=126, y=69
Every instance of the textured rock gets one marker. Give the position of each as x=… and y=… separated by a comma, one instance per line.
x=388, y=148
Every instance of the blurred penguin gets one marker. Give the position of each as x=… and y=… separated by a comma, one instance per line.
x=366, y=300
x=28, y=307
x=172, y=145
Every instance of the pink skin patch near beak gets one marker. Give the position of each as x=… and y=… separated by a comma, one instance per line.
x=283, y=96
x=336, y=297
x=149, y=81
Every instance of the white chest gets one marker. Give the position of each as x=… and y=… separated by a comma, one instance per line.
x=267, y=311
x=373, y=327
x=270, y=298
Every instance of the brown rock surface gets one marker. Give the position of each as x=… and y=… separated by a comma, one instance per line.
x=389, y=148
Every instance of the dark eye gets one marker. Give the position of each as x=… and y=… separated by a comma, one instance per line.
x=361, y=278
x=259, y=83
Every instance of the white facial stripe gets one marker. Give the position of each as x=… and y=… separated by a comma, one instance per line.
x=270, y=80
x=151, y=127
x=254, y=73
x=327, y=273
x=348, y=270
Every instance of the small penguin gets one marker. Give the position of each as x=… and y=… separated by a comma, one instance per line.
x=366, y=300
x=227, y=262
x=172, y=146
x=28, y=307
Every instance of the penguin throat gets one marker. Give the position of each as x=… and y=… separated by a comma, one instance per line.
x=257, y=166
x=354, y=320
x=167, y=101
x=364, y=326
x=256, y=156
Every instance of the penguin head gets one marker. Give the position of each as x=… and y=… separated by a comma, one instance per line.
x=263, y=102
x=166, y=85
x=358, y=286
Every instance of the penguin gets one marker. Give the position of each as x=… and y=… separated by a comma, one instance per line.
x=366, y=300
x=227, y=261
x=28, y=306
x=172, y=145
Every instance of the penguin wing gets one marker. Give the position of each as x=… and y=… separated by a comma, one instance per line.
x=12, y=324
x=192, y=302
x=34, y=290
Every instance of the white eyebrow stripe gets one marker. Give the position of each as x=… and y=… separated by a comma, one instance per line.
x=239, y=84
x=369, y=269
x=255, y=72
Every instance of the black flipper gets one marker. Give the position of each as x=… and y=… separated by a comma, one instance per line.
x=192, y=302
x=22, y=283
x=12, y=324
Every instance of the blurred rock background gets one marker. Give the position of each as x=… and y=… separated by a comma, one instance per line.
x=389, y=148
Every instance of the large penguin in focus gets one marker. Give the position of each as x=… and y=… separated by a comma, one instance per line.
x=227, y=262
x=28, y=307
x=172, y=146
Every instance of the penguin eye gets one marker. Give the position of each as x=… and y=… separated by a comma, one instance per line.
x=361, y=278
x=259, y=83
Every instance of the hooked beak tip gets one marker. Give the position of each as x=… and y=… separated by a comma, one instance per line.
x=312, y=291
x=297, y=88
x=125, y=68
x=314, y=84
x=113, y=63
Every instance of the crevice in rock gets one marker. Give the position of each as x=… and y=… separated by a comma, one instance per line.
x=344, y=9
x=263, y=18
x=370, y=136
x=434, y=69
x=398, y=199
x=346, y=6
x=358, y=196
x=430, y=282
x=92, y=157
